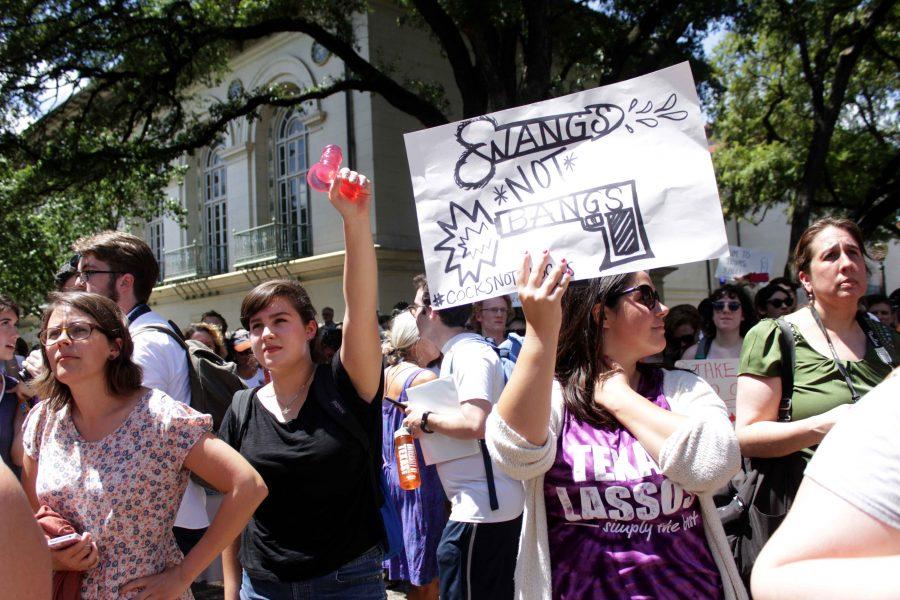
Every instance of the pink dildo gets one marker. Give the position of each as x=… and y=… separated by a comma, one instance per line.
x=322, y=173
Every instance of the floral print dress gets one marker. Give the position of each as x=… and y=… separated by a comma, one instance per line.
x=125, y=489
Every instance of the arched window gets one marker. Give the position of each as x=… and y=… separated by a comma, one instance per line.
x=292, y=162
x=215, y=196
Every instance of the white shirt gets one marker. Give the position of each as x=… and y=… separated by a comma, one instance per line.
x=254, y=380
x=164, y=363
x=859, y=459
x=478, y=374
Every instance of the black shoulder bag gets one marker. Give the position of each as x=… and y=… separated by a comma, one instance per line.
x=761, y=493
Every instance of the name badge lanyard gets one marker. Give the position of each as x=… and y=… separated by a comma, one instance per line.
x=854, y=395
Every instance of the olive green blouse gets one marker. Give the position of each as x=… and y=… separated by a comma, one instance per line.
x=818, y=384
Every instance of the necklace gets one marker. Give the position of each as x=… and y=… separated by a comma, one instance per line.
x=286, y=409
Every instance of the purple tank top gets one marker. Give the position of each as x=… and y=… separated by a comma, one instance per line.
x=617, y=527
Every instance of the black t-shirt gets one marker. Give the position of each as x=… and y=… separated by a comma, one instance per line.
x=321, y=511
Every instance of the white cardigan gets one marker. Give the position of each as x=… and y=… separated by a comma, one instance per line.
x=701, y=456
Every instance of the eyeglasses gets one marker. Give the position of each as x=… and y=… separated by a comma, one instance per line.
x=75, y=331
x=720, y=305
x=86, y=275
x=414, y=308
x=649, y=297
x=779, y=302
x=499, y=310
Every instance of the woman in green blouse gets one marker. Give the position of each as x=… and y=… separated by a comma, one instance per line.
x=830, y=261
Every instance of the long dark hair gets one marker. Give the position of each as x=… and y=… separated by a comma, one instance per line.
x=121, y=374
x=579, y=356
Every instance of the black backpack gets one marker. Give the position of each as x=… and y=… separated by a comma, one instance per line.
x=213, y=381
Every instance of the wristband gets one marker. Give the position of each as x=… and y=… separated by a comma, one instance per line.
x=423, y=424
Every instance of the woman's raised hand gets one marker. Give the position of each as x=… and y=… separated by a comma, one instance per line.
x=350, y=207
x=541, y=296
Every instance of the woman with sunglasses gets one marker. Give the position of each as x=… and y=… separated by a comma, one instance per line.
x=773, y=301
x=113, y=459
x=839, y=355
x=619, y=457
x=732, y=318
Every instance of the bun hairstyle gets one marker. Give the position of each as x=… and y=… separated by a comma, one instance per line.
x=123, y=377
x=401, y=339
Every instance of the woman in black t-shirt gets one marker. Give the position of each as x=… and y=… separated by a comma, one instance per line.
x=309, y=433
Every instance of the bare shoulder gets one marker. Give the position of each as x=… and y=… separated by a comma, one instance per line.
x=424, y=377
x=690, y=353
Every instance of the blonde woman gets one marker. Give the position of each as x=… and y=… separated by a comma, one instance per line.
x=422, y=511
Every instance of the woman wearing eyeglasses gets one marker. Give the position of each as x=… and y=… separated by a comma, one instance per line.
x=113, y=459
x=732, y=318
x=619, y=458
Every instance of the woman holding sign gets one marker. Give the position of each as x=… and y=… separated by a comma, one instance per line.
x=619, y=458
x=838, y=355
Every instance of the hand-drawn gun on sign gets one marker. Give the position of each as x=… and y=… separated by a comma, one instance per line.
x=612, y=210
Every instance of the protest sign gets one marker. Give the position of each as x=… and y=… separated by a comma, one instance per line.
x=743, y=261
x=614, y=179
x=721, y=374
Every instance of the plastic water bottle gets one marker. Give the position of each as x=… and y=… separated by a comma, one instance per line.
x=321, y=174
x=407, y=462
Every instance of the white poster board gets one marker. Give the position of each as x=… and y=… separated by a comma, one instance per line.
x=441, y=396
x=614, y=179
x=742, y=261
x=721, y=374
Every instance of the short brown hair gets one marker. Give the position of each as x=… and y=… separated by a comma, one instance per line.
x=475, y=324
x=7, y=303
x=454, y=316
x=126, y=253
x=122, y=375
x=803, y=251
x=262, y=295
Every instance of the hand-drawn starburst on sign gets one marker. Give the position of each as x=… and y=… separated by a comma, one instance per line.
x=500, y=194
x=471, y=242
x=569, y=162
x=437, y=299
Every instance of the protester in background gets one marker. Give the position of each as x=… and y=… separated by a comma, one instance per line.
x=422, y=510
x=879, y=306
x=790, y=287
x=214, y=318
x=619, y=458
x=328, y=319
x=314, y=434
x=732, y=316
x=65, y=278
x=682, y=324
x=123, y=268
x=24, y=559
x=841, y=538
x=773, y=301
x=836, y=358
x=477, y=551
x=247, y=366
x=489, y=318
x=329, y=343
x=207, y=334
x=113, y=458
x=11, y=416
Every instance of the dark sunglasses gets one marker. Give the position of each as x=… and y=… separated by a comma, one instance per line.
x=720, y=305
x=779, y=302
x=686, y=340
x=649, y=297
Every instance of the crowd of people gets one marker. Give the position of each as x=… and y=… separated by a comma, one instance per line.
x=598, y=468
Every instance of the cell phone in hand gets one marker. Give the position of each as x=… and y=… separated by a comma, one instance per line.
x=63, y=541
